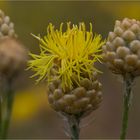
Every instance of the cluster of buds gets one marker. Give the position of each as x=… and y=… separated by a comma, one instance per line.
x=6, y=26
x=122, y=50
x=81, y=99
x=13, y=55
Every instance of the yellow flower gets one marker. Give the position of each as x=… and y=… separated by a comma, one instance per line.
x=74, y=52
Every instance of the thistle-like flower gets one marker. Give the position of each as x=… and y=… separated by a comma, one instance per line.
x=67, y=62
x=74, y=52
x=68, y=56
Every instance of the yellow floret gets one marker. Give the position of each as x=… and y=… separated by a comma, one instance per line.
x=74, y=52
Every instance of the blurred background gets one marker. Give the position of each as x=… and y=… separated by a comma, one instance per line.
x=32, y=117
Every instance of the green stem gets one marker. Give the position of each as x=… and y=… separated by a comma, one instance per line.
x=74, y=121
x=9, y=103
x=128, y=81
x=0, y=115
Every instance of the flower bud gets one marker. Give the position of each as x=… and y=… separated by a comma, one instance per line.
x=131, y=59
x=57, y=94
x=118, y=41
x=122, y=52
x=129, y=35
x=13, y=56
x=126, y=23
x=135, y=28
x=126, y=55
x=6, y=26
x=111, y=36
x=79, y=92
x=118, y=31
x=117, y=23
x=135, y=45
x=69, y=98
x=7, y=19
x=118, y=63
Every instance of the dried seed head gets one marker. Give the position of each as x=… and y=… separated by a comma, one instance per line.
x=123, y=56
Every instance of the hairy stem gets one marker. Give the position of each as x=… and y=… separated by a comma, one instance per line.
x=128, y=81
x=72, y=128
x=9, y=103
x=73, y=123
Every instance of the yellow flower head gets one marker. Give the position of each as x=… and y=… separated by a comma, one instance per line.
x=74, y=52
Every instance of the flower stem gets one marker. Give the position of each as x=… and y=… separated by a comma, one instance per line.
x=0, y=115
x=73, y=123
x=128, y=81
x=9, y=103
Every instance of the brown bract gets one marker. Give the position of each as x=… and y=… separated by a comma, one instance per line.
x=82, y=99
